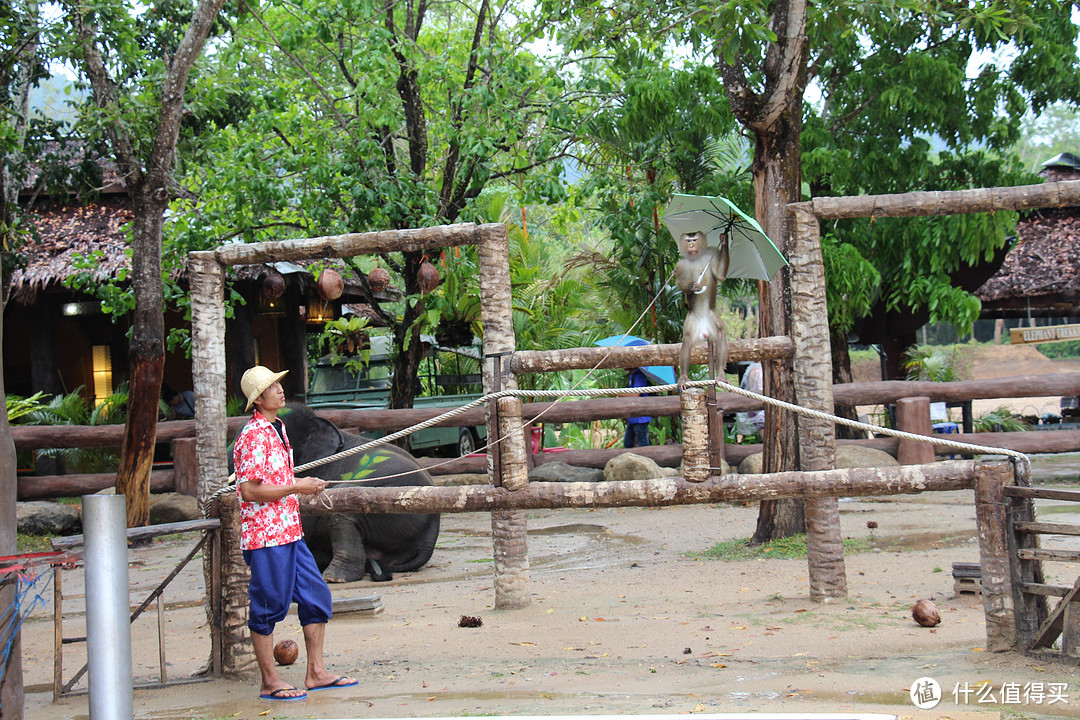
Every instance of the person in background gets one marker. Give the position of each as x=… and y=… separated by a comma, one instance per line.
x=181, y=404
x=751, y=423
x=637, y=428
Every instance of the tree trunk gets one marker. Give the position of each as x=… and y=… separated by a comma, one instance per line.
x=407, y=338
x=777, y=182
x=894, y=347
x=11, y=686
x=147, y=178
x=147, y=359
x=841, y=366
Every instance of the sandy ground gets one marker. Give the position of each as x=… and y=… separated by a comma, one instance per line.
x=626, y=618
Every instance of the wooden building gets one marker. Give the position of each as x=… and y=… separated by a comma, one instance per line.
x=1040, y=277
x=58, y=339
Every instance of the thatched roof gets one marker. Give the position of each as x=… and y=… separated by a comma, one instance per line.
x=1041, y=273
x=67, y=232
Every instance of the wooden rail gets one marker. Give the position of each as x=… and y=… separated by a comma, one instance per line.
x=179, y=432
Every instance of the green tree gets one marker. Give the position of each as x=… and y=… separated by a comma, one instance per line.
x=370, y=116
x=767, y=53
x=20, y=64
x=138, y=65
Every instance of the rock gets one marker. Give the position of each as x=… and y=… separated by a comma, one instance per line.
x=847, y=456
x=631, y=466
x=854, y=456
x=561, y=472
x=173, y=507
x=40, y=517
x=752, y=464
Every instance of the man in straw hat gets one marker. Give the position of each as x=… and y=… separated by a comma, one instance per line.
x=271, y=538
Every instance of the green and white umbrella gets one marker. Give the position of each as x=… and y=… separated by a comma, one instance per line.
x=751, y=253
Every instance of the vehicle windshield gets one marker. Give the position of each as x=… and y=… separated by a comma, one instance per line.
x=338, y=378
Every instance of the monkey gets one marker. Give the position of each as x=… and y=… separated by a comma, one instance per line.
x=699, y=270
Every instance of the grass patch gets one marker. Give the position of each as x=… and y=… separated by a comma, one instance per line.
x=784, y=548
x=25, y=543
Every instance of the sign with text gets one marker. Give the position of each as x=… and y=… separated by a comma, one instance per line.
x=1049, y=333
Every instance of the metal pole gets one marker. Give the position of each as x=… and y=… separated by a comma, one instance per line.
x=108, y=630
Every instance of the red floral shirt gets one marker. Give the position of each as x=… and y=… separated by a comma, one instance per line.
x=260, y=454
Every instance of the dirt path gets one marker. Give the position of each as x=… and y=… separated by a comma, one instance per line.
x=625, y=618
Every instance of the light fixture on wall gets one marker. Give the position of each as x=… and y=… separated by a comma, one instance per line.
x=102, y=368
x=319, y=311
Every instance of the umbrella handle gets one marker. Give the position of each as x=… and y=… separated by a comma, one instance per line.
x=699, y=277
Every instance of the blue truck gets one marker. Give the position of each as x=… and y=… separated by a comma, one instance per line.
x=448, y=378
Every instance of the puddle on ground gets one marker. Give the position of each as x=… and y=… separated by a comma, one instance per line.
x=932, y=540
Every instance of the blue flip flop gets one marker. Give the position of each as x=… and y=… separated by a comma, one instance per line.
x=335, y=684
x=276, y=695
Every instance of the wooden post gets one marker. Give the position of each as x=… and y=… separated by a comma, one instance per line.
x=716, y=431
x=208, y=370
x=58, y=634
x=185, y=467
x=813, y=389
x=990, y=517
x=695, y=435
x=514, y=456
x=509, y=530
x=237, y=654
x=913, y=416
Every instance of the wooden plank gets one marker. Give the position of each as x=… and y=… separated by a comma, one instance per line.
x=1043, y=493
x=1050, y=629
x=1030, y=608
x=1042, y=528
x=1045, y=590
x=141, y=533
x=1044, y=554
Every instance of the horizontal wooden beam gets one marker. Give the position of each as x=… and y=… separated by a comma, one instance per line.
x=855, y=482
x=1047, y=554
x=1043, y=528
x=352, y=244
x=1043, y=493
x=144, y=533
x=41, y=487
x=584, y=358
x=956, y=202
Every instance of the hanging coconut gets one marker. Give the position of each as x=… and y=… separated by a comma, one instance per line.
x=273, y=285
x=378, y=279
x=427, y=277
x=925, y=613
x=330, y=285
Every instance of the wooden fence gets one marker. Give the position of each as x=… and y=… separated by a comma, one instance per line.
x=180, y=434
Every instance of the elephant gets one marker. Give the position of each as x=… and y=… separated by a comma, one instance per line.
x=346, y=546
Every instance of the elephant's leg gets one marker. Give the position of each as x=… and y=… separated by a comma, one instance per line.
x=348, y=548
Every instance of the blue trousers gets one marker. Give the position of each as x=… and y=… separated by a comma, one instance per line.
x=283, y=575
x=637, y=435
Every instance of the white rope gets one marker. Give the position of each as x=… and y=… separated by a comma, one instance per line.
x=1020, y=460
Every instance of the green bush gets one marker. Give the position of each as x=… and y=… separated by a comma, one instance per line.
x=1058, y=350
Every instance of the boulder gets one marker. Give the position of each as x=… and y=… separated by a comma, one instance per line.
x=631, y=466
x=752, y=464
x=40, y=517
x=847, y=456
x=854, y=456
x=173, y=507
x=561, y=472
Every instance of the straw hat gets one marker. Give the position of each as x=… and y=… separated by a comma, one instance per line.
x=256, y=380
